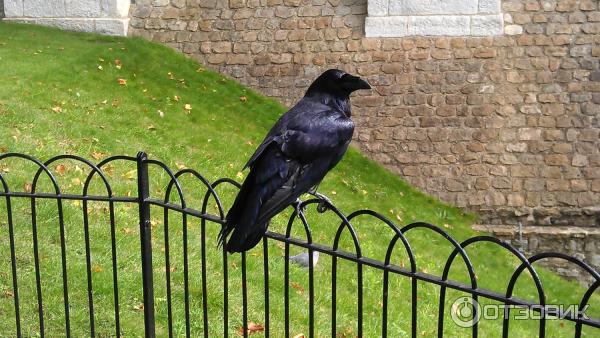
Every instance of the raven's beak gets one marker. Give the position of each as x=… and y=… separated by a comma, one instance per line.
x=352, y=83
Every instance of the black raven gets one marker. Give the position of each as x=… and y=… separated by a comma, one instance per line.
x=304, y=144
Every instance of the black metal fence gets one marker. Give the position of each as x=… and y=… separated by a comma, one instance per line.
x=143, y=201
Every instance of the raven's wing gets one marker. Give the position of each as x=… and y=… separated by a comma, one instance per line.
x=317, y=146
x=286, y=165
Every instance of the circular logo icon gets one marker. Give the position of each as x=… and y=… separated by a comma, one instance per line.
x=465, y=311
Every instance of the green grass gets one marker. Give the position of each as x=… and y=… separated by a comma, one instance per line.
x=60, y=93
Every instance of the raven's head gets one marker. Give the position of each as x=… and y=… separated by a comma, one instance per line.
x=337, y=83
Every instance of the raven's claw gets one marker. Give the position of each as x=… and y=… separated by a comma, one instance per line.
x=324, y=204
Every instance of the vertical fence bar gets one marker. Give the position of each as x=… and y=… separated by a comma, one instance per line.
x=244, y=297
x=113, y=244
x=186, y=283
x=63, y=256
x=88, y=268
x=13, y=265
x=266, y=271
x=146, y=243
x=36, y=262
x=168, y=272
x=203, y=271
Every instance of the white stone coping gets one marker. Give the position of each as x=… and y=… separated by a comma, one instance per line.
x=101, y=16
x=398, y=18
x=106, y=26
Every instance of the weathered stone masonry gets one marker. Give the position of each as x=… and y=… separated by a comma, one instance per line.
x=504, y=125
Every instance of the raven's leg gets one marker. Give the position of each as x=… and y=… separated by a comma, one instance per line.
x=322, y=207
x=299, y=209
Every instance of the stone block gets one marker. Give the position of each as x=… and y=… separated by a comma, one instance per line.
x=377, y=7
x=388, y=26
x=44, y=8
x=447, y=25
x=112, y=26
x=489, y=6
x=83, y=8
x=439, y=7
x=13, y=8
x=485, y=25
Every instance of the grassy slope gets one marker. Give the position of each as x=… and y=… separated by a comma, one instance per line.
x=55, y=99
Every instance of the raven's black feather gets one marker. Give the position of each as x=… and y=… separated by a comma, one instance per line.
x=304, y=144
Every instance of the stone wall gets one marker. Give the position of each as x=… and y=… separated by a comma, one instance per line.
x=506, y=125
x=105, y=16
x=579, y=242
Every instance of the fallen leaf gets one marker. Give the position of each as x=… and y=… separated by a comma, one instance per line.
x=57, y=109
x=161, y=113
x=187, y=106
x=117, y=62
x=243, y=98
x=61, y=169
x=151, y=127
x=122, y=82
x=239, y=175
x=299, y=335
x=27, y=187
x=176, y=98
x=170, y=75
x=252, y=328
x=333, y=193
x=76, y=181
x=297, y=287
x=131, y=174
x=97, y=155
x=100, y=67
x=96, y=268
x=128, y=230
x=139, y=307
x=8, y=294
x=180, y=166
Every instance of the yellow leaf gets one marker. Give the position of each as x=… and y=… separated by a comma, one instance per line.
x=187, y=106
x=243, y=98
x=180, y=166
x=97, y=268
x=176, y=98
x=57, y=109
x=130, y=175
x=122, y=82
x=239, y=175
x=151, y=127
x=97, y=155
x=161, y=113
x=100, y=67
x=27, y=187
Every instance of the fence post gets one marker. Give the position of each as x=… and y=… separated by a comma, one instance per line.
x=146, y=243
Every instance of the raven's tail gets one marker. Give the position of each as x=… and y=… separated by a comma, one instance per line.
x=241, y=219
x=241, y=241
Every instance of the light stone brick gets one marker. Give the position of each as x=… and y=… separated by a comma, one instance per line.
x=489, y=6
x=424, y=7
x=485, y=25
x=389, y=26
x=439, y=25
x=83, y=8
x=44, y=8
x=377, y=7
x=513, y=30
x=13, y=8
x=112, y=26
